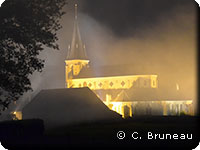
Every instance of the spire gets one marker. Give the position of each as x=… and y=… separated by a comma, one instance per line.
x=76, y=11
x=77, y=49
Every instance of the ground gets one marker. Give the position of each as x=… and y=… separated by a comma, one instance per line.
x=104, y=134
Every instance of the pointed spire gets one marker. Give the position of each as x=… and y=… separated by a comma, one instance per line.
x=77, y=49
x=76, y=11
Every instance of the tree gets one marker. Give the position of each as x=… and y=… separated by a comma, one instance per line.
x=26, y=26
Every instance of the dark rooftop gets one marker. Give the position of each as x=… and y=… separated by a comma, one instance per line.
x=151, y=94
x=59, y=107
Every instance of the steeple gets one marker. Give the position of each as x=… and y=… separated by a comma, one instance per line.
x=76, y=58
x=77, y=48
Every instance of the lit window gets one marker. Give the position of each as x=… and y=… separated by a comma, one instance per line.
x=154, y=83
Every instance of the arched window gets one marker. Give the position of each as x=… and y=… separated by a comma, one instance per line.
x=154, y=83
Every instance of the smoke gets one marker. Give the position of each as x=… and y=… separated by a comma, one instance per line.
x=168, y=49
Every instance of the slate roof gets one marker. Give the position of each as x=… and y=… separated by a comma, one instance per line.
x=60, y=107
x=77, y=48
x=151, y=94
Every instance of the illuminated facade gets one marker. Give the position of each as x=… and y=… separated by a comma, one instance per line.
x=16, y=115
x=117, y=91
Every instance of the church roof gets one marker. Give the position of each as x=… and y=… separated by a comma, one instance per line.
x=77, y=49
x=59, y=107
x=151, y=94
x=122, y=96
x=109, y=71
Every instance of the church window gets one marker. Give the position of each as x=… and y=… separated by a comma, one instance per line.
x=122, y=83
x=90, y=85
x=85, y=84
x=100, y=84
x=154, y=83
x=111, y=84
x=94, y=84
x=134, y=83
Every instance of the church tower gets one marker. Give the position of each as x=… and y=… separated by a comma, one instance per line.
x=76, y=58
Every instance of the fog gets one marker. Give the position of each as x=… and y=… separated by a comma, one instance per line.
x=167, y=49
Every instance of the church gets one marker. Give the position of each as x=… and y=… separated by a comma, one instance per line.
x=129, y=93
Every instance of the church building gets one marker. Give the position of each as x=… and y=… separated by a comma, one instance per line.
x=129, y=93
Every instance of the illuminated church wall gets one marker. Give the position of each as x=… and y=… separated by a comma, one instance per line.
x=75, y=66
x=108, y=87
x=161, y=107
x=116, y=82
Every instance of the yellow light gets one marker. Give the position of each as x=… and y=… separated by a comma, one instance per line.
x=118, y=107
x=18, y=115
x=100, y=83
x=177, y=87
x=189, y=102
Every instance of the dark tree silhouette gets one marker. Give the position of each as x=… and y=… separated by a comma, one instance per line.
x=26, y=26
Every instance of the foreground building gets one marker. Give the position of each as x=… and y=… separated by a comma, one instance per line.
x=60, y=107
x=128, y=94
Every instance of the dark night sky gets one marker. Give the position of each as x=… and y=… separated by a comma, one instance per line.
x=158, y=35
x=127, y=16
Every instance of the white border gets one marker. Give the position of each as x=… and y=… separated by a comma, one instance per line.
x=198, y=147
x=2, y=148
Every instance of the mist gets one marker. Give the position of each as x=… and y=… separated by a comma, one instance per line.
x=168, y=49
